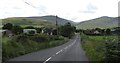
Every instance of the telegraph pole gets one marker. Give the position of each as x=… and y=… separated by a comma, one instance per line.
x=57, y=25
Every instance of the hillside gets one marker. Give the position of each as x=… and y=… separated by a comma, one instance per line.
x=48, y=21
x=26, y=21
x=102, y=22
x=52, y=18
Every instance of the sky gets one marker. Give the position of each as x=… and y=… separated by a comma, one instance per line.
x=75, y=10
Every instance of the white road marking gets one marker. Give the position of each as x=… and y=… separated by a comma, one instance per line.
x=65, y=47
x=59, y=51
x=70, y=45
x=47, y=60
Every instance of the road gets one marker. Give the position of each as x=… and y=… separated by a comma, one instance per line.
x=70, y=51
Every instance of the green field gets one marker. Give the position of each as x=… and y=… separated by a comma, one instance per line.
x=36, y=26
x=28, y=22
x=99, y=48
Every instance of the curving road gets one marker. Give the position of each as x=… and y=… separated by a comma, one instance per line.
x=68, y=52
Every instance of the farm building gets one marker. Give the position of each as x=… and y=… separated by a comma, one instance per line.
x=27, y=31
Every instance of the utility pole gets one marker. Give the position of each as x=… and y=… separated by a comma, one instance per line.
x=57, y=25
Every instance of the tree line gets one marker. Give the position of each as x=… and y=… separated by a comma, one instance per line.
x=99, y=31
x=66, y=30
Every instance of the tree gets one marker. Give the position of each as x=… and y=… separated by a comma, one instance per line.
x=17, y=29
x=67, y=30
x=48, y=30
x=31, y=32
x=38, y=30
x=54, y=32
x=98, y=29
x=8, y=26
x=108, y=31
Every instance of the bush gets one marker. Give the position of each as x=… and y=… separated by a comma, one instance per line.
x=21, y=38
x=31, y=32
x=11, y=49
x=23, y=44
x=102, y=48
x=39, y=38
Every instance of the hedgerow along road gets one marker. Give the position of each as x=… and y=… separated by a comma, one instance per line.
x=70, y=51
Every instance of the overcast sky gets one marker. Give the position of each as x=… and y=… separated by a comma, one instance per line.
x=75, y=10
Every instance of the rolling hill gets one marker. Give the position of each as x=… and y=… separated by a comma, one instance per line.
x=102, y=22
x=27, y=22
x=48, y=21
x=52, y=18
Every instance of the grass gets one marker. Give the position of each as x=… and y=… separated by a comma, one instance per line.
x=14, y=48
x=28, y=21
x=36, y=26
x=102, y=22
x=94, y=49
x=95, y=46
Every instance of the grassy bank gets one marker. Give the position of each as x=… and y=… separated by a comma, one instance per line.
x=23, y=44
x=99, y=48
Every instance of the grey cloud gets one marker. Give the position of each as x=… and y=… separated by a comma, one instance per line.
x=90, y=9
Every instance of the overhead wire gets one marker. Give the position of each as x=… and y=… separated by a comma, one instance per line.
x=30, y=4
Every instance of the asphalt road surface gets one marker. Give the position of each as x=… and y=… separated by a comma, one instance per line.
x=70, y=51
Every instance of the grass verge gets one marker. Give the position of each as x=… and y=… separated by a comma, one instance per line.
x=96, y=47
x=14, y=47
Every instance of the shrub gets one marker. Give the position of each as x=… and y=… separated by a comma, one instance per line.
x=23, y=44
x=39, y=38
x=31, y=32
x=21, y=38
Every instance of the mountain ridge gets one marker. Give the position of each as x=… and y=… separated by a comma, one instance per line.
x=101, y=22
x=52, y=18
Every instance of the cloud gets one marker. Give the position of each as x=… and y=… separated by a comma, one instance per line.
x=76, y=10
x=90, y=9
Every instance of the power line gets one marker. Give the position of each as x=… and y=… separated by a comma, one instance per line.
x=30, y=4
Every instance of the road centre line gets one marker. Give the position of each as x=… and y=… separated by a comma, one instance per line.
x=59, y=52
x=47, y=60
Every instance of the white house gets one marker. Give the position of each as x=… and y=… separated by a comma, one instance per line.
x=28, y=30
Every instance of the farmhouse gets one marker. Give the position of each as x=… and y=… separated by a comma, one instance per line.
x=92, y=32
x=27, y=31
